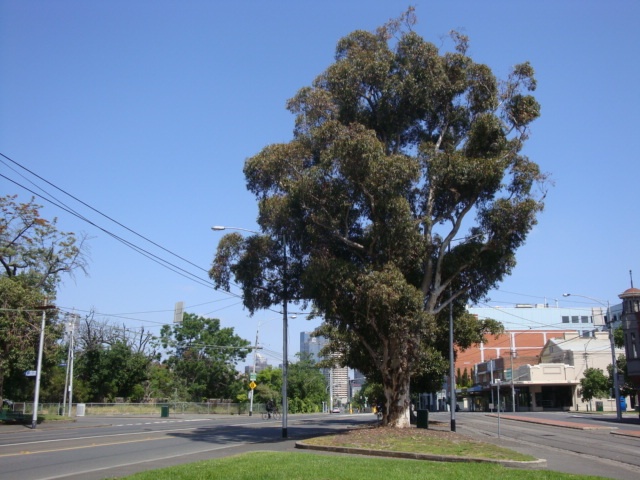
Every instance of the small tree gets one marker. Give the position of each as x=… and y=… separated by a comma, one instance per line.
x=205, y=356
x=269, y=386
x=305, y=382
x=594, y=384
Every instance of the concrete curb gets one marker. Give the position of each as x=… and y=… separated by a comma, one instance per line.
x=627, y=433
x=526, y=465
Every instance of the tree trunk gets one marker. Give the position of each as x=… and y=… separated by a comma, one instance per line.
x=397, y=407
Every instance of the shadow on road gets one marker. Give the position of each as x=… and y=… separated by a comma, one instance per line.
x=270, y=432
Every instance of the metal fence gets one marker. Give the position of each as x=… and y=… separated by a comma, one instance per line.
x=105, y=409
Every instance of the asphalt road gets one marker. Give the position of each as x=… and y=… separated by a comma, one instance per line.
x=100, y=447
x=95, y=447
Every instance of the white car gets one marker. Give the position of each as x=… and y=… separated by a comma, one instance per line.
x=335, y=410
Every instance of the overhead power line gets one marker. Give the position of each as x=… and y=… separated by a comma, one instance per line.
x=104, y=215
x=47, y=196
x=136, y=248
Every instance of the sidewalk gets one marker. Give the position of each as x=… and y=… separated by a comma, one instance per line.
x=609, y=423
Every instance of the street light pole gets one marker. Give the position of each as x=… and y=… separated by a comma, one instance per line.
x=36, y=396
x=452, y=373
x=285, y=322
x=452, y=377
x=614, y=363
x=285, y=338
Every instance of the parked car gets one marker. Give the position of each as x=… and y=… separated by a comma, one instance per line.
x=335, y=410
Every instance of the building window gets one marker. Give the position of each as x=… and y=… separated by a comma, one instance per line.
x=634, y=347
x=565, y=319
x=575, y=319
x=584, y=319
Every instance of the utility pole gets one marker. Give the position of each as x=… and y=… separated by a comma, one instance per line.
x=491, y=369
x=498, y=390
x=255, y=351
x=72, y=355
x=513, y=389
x=66, y=374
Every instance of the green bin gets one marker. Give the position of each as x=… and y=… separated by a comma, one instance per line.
x=164, y=411
x=423, y=419
x=599, y=407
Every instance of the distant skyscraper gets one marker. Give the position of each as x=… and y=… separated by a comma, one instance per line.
x=340, y=378
x=261, y=364
x=311, y=345
x=337, y=378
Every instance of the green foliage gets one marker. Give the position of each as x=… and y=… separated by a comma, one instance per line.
x=204, y=356
x=269, y=386
x=33, y=256
x=618, y=337
x=162, y=383
x=111, y=371
x=370, y=394
x=464, y=380
x=399, y=151
x=627, y=387
x=306, y=386
x=20, y=324
x=594, y=384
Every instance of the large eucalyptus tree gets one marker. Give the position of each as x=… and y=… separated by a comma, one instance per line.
x=403, y=189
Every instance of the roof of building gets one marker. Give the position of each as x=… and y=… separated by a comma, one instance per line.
x=630, y=292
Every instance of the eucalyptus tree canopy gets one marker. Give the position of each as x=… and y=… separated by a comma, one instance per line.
x=403, y=189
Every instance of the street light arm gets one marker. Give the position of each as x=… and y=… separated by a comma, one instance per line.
x=601, y=302
x=218, y=228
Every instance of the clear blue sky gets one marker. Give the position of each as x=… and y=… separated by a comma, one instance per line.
x=147, y=110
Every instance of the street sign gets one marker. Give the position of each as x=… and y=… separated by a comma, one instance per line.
x=252, y=377
x=30, y=373
x=252, y=385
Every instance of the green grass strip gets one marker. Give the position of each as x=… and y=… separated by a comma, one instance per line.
x=309, y=466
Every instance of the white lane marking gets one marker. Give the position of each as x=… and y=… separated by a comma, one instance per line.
x=164, y=457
